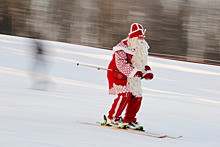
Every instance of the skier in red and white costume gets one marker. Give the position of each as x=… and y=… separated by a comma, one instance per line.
x=130, y=59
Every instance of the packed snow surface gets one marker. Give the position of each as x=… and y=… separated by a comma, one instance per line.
x=182, y=99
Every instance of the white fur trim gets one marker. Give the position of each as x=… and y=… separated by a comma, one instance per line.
x=125, y=49
x=143, y=31
x=147, y=72
x=116, y=89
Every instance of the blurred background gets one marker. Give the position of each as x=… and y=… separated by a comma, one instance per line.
x=178, y=29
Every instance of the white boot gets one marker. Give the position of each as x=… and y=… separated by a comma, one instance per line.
x=135, y=125
x=116, y=123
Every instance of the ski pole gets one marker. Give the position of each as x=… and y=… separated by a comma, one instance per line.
x=100, y=68
x=97, y=67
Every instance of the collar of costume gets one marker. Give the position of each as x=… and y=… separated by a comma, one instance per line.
x=123, y=45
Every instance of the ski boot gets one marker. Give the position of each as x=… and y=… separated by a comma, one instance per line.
x=117, y=123
x=135, y=125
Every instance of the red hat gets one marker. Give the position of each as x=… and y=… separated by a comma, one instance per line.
x=136, y=30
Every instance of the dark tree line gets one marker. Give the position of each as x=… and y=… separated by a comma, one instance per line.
x=188, y=28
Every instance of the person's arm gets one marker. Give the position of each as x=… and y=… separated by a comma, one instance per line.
x=122, y=64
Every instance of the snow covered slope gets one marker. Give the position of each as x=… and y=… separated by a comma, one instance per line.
x=183, y=99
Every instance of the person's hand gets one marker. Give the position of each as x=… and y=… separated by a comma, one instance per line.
x=149, y=76
x=138, y=74
x=147, y=68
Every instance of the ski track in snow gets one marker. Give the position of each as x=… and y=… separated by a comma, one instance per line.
x=182, y=99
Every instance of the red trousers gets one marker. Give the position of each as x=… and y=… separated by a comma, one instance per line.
x=125, y=99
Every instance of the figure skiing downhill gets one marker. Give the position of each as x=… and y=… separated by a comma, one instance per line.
x=130, y=58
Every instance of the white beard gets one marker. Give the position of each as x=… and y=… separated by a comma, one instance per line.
x=139, y=49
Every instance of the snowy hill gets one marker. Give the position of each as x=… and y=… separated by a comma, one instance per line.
x=183, y=99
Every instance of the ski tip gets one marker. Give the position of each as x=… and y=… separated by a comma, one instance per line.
x=175, y=137
x=179, y=136
x=163, y=136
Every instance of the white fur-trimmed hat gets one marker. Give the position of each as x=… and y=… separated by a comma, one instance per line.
x=136, y=30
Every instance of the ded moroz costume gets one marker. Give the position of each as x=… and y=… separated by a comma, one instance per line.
x=130, y=58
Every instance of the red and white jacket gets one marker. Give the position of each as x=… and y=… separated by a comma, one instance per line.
x=121, y=61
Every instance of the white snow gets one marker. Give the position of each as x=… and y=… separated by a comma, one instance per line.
x=182, y=99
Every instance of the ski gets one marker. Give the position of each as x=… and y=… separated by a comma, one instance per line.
x=132, y=129
x=145, y=132
x=125, y=130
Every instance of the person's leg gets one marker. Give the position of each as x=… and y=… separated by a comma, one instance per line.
x=132, y=109
x=119, y=105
